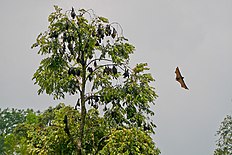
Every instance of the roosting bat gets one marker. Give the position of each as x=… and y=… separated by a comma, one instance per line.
x=180, y=78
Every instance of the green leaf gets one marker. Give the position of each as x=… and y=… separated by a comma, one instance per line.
x=103, y=19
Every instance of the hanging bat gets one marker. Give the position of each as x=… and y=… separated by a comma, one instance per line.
x=180, y=78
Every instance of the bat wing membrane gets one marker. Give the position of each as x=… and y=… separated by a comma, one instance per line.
x=180, y=79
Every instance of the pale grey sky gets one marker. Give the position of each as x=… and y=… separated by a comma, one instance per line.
x=194, y=35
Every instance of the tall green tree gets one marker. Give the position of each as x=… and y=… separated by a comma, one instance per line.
x=87, y=56
x=224, y=143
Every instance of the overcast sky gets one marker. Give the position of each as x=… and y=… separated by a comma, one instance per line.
x=194, y=35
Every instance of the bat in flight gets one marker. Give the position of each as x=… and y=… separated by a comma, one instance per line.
x=180, y=78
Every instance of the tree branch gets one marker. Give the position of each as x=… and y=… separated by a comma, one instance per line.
x=100, y=141
x=96, y=60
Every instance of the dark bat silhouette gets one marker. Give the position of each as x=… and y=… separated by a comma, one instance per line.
x=180, y=78
x=66, y=128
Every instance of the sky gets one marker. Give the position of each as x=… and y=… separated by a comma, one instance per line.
x=193, y=35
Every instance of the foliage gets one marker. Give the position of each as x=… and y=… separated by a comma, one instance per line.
x=9, y=119
x=224, y=143
x=87, y=56
x=129, y=141
x=44, y=135
x=49, y=135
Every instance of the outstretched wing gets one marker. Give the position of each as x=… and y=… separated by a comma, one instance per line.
x=180, y=79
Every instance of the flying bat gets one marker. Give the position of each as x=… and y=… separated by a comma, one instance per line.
x=180, y=78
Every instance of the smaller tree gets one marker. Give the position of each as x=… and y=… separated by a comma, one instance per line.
x=224, y=143
x=9, y=120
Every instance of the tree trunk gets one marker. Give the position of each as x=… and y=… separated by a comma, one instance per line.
x=83, y=108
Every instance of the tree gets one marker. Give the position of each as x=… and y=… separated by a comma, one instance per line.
x=224, y=143
x=9, y=119
x=87, y=56
x=129, y=141
x=49, y=135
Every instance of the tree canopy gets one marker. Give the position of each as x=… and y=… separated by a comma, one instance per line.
x=87, y=56
x=224, y=143
x=9, y=120
x=49, y=132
